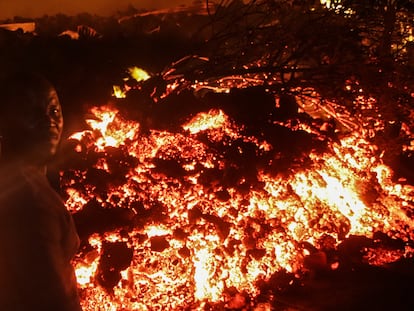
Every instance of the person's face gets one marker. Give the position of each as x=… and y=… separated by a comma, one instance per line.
x=39, y=123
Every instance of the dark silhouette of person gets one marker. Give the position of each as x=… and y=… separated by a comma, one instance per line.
x=38, y=238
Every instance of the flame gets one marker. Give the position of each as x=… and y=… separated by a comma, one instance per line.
x=111, y=131
x=157, y=231
x=138, y=74
x=214, y=119
x=203, y=237
x=85, y=268
x=118, y=92
x=75, y=199
x=85, y=272
x=202, y=276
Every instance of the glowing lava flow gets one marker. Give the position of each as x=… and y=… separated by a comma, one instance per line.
x=194, y=237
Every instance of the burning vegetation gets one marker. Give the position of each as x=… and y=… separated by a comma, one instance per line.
x=268, y=168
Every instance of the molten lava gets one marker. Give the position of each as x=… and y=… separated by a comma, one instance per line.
x=201, y=233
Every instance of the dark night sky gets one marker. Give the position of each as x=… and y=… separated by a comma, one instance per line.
x=32, y=8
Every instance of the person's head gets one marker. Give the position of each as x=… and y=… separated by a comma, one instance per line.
x=31, y=118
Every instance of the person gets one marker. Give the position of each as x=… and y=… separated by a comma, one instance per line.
x=38, y=238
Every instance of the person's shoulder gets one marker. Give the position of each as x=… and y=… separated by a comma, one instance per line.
x=12, y=182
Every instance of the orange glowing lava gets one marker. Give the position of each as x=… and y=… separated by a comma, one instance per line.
x=194, y=237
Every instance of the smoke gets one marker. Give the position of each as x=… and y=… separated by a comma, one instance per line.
x=30, y=8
